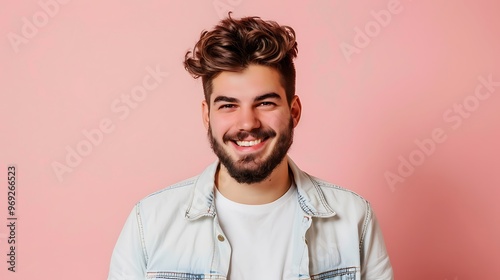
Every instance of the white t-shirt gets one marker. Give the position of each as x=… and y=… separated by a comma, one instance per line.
x=260, y=236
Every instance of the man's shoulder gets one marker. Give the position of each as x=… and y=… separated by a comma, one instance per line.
x=339, y=197
x=321, y=194
x=179, y=191
x=329, y=187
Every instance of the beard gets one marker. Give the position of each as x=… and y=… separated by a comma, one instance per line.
x=249, y=169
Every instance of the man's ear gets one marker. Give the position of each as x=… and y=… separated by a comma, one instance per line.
x=296, y=110
x=205, y=113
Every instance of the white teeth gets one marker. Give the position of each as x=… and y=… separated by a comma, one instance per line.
x=248, y=143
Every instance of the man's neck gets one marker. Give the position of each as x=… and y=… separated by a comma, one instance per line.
x=263, y=192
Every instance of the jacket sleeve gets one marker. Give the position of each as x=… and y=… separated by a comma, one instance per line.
x=375, y=263
x=129, y=258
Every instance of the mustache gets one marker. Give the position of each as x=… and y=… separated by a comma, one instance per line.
x=258, y=133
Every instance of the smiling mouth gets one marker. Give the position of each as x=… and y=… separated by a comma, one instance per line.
x=248, y=143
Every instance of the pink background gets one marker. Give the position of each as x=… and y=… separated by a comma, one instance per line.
x=362, y=116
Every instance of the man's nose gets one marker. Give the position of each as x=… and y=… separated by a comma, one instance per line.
x=248, y=119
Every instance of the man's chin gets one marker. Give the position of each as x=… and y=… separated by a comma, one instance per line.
x=246, y=164
x=248, y=175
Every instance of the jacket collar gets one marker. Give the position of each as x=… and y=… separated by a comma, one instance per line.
x=311, y=198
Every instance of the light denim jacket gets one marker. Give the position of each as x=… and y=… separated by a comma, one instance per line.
x=174, y=234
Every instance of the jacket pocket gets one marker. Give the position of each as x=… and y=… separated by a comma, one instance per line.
x=348, y=273
x=182, y=275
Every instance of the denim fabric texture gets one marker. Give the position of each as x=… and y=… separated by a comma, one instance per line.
x=174, y=234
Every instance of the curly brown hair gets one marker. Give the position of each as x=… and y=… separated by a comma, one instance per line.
x=234, y=44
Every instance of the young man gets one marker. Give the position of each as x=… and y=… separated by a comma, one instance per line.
x=253, y=214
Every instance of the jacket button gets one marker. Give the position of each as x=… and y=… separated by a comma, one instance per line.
x=220, y=237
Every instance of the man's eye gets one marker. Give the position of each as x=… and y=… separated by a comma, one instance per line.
x=266, y=103
x=227, y=106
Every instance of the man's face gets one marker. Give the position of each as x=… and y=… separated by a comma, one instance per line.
x=250, y=123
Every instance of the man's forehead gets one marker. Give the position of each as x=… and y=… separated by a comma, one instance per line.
x=250, y=83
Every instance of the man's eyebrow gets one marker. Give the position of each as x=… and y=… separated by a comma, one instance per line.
x=267, y=96
x=271, y=95
x=222, y=98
